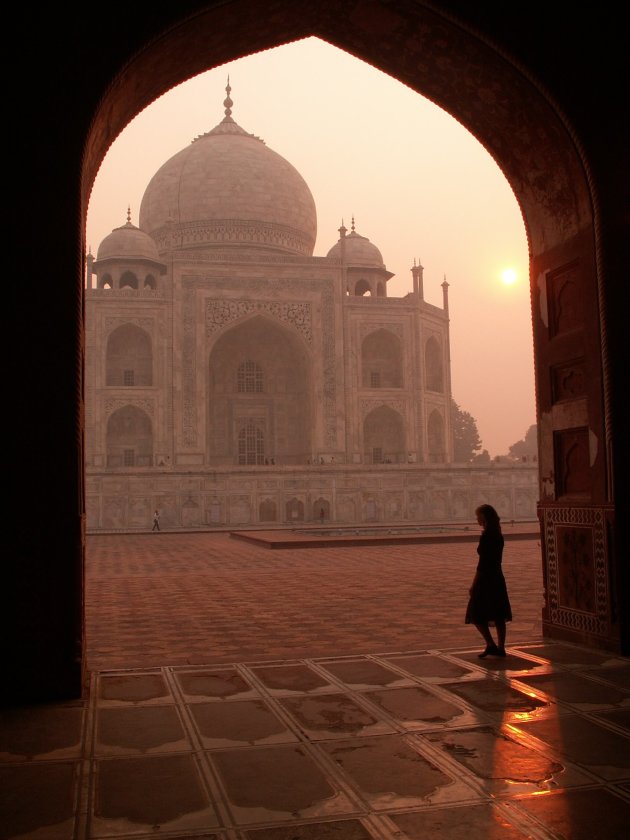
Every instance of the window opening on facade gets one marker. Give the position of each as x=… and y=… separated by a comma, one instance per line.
x=129, y=457
x=128, y=377
x=250, y=378
x=375, y=379
x=251, y=444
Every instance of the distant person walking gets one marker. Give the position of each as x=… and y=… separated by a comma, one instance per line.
x=156, y=521
x=489, y=604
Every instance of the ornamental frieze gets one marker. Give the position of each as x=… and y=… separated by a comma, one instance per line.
x=233, y=233
x=372, y=326
x=112, y=321
x=369, y=405
x=112, y=405
x=221, y=312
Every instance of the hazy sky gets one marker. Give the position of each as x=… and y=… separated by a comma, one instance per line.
x=418, y=184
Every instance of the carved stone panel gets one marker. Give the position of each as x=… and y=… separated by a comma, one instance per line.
x=566, y=309
x=576, y=574
x=573, y=474
x=568, y=381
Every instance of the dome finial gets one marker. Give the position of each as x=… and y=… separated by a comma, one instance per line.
x=227, y=101
x=353, y=223
x=129, y=214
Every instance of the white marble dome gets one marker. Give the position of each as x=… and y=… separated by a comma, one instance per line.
x=229, y=189
x=358, y=251
x=128, y=242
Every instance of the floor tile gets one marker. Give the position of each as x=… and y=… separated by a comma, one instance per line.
x=388, y=771
x=585, y=743
x=285, y=679
x=240, y=722
x=215, y=684
x=417, y=706
x=152, y=793
x=503, y=762
x=41, y=732
x=280, y=783
x=143, y=729
x=333, y=716
x=472, y=822
x=581, y=815
x=39, y=799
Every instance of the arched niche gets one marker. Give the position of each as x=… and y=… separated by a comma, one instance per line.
x=433, y=367
x=436, y=441
x=129, y=357
x=128, y=280
x=129, y=438
x=259, y=376
x=381, y=360
x=362, y=288
x=384, y=437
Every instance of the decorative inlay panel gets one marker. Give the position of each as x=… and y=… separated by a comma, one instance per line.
x=221, y=311
x=568, y=381
x=370, y=405
x=111, y=405
x=577, y=582
x=566, y=309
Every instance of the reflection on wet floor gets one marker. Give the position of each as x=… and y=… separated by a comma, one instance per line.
x=424, y=744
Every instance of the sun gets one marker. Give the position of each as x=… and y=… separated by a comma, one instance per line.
x=509, y=276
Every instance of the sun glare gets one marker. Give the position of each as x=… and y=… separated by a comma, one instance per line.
x=509, y=276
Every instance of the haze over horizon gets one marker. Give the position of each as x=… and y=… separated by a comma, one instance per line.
x=416, y=182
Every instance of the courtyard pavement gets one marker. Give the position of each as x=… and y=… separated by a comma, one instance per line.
x=241, y=692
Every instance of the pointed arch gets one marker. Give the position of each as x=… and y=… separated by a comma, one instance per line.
x=436, y=438
x=381, y=360
x=129, y=357
x=259, y=372
x=433, y=365
x=129, y=438
x=384, y=437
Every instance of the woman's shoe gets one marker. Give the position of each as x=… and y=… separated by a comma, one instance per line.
x=500, y=652
x=491, y=650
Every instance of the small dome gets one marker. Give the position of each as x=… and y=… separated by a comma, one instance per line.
x=358, y=250
x=128, y=242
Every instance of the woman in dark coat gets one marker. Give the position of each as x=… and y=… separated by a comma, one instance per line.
x=489, y=604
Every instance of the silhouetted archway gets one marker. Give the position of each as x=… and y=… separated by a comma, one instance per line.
x=562, y=157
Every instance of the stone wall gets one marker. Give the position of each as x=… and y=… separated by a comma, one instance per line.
x=265, y=497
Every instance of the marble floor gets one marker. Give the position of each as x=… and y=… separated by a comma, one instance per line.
x=416, y=744
x=241, y=693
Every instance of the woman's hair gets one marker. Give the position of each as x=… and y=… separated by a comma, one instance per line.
x=490, y=517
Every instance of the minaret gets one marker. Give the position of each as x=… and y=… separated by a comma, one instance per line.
x=342, y=254
x=417, y=272
x=445, y=295
x=89, y=270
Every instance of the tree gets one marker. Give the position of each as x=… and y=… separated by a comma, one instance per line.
x=466, y=438
x=526, y=449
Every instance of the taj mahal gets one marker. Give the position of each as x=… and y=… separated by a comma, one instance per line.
x=235, y=380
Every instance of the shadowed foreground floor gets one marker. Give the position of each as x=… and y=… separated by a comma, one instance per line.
x=239, y=693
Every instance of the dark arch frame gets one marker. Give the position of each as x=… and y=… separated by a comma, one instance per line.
x=571, y=200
